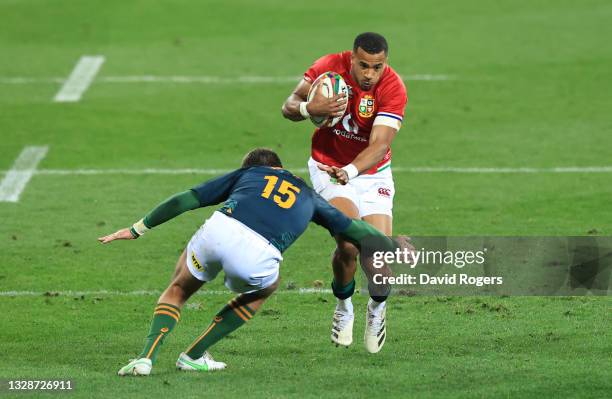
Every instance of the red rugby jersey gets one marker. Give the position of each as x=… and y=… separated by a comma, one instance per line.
x=340, y=144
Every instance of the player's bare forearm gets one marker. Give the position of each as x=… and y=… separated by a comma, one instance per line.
x=296, y=108
x=369, y=157
x=291, y=108
x=380, y=141
x=364, y=161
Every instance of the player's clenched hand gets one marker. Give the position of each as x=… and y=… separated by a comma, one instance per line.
x=123, y=234
x=320, y=105
x=337, y=173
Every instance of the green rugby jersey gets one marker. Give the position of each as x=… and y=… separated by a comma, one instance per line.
x=272, y=202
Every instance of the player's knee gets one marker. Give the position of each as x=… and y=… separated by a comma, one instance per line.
x=266, y=292
x=345, y=252
x=261, y=295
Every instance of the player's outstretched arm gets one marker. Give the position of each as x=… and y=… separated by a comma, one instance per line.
x=353, y=230
x=296, y=107
x=369, y=239
x=171, y=208
x=358, y=231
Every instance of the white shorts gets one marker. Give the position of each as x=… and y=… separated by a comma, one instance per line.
x=372, y=194
x=249, y=261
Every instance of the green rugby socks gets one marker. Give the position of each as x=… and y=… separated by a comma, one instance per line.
x=231, y=317
x=165, y=318
x=343, y=292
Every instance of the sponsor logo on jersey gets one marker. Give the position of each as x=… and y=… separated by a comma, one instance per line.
x=349, y=135
x=349, y=125
x=384, y=192
x=349, y=130
x=366, y=106
x=195, y=262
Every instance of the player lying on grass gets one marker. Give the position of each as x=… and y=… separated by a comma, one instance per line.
x=266, y=209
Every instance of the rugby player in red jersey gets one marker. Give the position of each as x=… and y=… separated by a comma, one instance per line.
x=350, y=161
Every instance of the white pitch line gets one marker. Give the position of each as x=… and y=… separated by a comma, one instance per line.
x=396, y=169
x=148, y=171
x=239, y=79
x=70, y=293
x=79, y=80
x=16, y=179
x=200, y=79
x=25, y=80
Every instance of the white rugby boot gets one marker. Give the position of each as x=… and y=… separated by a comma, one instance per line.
x=140, y=366
x=376, y=329
x=204, y=363
x=342, y=323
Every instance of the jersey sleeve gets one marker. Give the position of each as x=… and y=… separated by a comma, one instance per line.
x=171, y=208
x=218, y=189
x=319, y=67
x=367, y=237
x=325, y=215
x=392, y=103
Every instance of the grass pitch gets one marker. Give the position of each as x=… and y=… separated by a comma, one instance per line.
x=528, y=86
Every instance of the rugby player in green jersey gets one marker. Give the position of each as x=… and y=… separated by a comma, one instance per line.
x=265, y=209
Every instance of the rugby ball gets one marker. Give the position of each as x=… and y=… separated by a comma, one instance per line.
x=330, y=84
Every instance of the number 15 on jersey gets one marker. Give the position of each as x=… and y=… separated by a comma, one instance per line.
x=287, y=192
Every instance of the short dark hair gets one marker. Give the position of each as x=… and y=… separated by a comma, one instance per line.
x=261, y=157
x=371, y=43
